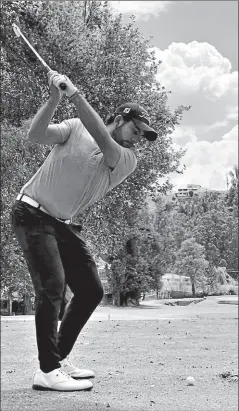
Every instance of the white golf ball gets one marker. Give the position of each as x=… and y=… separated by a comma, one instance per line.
x=190, y=381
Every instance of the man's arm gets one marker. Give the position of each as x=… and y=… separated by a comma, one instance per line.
x=96, y=127
x=91, y=121
x=40, y=130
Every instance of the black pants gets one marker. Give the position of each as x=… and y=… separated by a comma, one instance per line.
x=56, y=255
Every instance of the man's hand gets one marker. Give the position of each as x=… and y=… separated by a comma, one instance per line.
x=55, y=79
x=56, y=93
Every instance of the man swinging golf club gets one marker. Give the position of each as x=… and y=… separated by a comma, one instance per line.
x=88, y=159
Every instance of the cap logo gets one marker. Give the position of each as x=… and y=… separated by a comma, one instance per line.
x=144, y=115
x=127, y=110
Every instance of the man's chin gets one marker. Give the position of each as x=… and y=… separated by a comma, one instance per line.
x=126, y=144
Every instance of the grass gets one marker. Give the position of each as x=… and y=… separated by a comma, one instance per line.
x=140, y=365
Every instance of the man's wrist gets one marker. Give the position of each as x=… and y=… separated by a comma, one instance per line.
x=54, y=99
x=70, y=90
x=76, y=93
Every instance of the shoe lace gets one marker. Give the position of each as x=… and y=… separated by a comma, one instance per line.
x=64, y=373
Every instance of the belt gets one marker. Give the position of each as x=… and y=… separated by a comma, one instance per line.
x=35, y=204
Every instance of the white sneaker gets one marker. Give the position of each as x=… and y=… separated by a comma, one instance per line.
x=74, y=371
x=58, y=380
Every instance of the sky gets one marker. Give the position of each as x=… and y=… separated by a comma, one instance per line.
x=197, y=42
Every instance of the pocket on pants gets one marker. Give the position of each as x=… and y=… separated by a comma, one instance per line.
x=23, y=214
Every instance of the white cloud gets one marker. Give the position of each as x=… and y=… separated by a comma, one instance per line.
x=232, y=112
x=141, y=9
x=207, y=163
x=232, y=135
x=216, y=125
x=193, y=67
x=182, y=132
x=198, y=75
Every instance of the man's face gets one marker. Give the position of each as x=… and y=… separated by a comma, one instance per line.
x=127, y=134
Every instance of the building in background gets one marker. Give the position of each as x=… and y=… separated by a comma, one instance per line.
x=190, y=190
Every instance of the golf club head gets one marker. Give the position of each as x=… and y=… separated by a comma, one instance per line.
x=16, y=30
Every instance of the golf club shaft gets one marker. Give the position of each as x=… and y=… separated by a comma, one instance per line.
x=16, y=29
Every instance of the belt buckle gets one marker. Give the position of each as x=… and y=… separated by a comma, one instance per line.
x=64, y=221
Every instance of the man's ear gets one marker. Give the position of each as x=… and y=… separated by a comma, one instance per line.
x=119, y=121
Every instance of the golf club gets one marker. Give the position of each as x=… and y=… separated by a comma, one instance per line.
x=18, y=33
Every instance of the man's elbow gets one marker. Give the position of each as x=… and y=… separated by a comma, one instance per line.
x=33, y=137
x=30, y=135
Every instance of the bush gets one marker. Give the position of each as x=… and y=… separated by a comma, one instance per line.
x=233, y=290
x=202, y=294
x=4, y=311
x=226, y=289
x=180, y=294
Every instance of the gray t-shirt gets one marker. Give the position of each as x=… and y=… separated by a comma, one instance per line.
x=75, y=174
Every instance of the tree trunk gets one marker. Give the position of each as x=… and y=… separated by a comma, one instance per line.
x=123, y=300
x=27, y=306
x=116, y=299
x=9, y=304
x=193, y=289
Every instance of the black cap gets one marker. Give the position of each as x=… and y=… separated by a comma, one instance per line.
x=140, y=117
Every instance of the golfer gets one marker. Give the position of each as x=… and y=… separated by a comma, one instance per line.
x=88, y=159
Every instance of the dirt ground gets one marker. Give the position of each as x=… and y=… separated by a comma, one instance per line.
x=141, y=357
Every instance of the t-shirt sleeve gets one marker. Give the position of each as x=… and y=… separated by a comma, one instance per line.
x=66, y=127
x=125, y=166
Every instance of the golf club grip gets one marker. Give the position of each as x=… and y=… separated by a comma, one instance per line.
x=63, y=86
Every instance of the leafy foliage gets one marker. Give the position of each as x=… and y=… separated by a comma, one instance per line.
x=232, y=197
x=110, y=63
x=191, y=262
x=19, y=160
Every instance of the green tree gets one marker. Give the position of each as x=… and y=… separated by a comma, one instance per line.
x=129, y=274
x=191, y=262
x=216, y=229
x=110, y=62
x=18, y=161
x=219, y=278
x=160, y=222
x=232, y=197
x=156, y=271
x=116, y=275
